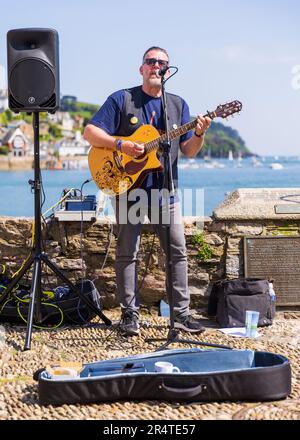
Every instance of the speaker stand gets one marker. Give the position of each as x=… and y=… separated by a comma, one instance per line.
x=37, y=257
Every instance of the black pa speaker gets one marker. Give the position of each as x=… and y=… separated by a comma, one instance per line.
x=33, y=71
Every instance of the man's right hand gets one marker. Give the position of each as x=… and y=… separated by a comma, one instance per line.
x=132, y=149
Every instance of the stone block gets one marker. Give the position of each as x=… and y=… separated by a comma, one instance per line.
x=199, y=296
x=232, y=265
x=233, y=245
x=241, y=229
x=213, y=239
x=70, y=263
x=153, y=289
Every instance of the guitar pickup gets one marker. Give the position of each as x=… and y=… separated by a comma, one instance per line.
x=118, y=162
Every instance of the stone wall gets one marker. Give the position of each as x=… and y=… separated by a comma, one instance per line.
x=214, y=252
x=16, y=163
x=82, y=253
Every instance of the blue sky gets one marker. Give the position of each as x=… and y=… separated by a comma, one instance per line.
x=233, y=49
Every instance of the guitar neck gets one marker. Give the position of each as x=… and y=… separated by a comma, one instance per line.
x=173, y=134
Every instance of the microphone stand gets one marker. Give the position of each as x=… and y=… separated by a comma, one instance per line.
x=168, y=192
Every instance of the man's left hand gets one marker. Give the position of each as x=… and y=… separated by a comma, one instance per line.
x=203, y=124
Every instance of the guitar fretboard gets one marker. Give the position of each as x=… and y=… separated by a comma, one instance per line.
x=173, y=134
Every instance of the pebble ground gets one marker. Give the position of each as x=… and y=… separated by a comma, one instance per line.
x=18, y=390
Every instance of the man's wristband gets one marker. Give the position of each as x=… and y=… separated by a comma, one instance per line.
x=119, y=144
x=198, y=135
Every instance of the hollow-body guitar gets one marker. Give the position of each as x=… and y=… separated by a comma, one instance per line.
x=115, y=172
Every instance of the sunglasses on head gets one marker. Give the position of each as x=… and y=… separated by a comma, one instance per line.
x=153, y=61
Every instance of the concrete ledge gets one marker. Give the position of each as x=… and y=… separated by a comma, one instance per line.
x=258, y=204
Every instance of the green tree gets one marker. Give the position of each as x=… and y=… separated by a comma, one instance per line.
x=220, y=139
x=4, y=150
x=55, y=131
x=9, y=114
x=3, y=118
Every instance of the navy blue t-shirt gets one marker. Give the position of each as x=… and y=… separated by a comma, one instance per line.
x=108, y=118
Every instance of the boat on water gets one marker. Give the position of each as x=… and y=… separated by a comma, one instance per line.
x=193, y=164
x=213, y=164
x=190, y=164
x=276, y=166
x=255, y=162
x=54, y=164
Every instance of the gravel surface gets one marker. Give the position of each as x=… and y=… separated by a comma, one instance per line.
x=18, y=390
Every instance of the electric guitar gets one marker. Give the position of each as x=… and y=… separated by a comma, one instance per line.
x=115, y=172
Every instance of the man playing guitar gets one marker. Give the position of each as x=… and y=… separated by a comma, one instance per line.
x=120, y=116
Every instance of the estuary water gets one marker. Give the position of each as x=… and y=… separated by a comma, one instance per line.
x=209, y=180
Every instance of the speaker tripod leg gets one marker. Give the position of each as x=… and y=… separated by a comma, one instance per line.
x=16, y=279
x=35, y=301
x=86, y=300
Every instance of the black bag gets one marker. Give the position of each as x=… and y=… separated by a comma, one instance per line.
x=229, y=300
x=58, y=306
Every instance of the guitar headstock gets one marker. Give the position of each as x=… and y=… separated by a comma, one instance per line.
x=228, y=109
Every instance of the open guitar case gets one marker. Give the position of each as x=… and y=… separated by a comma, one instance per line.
x=205, y=375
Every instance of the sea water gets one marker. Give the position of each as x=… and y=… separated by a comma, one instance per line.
x=208, y=181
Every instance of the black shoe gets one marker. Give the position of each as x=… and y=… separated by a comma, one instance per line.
x=189, y=324
x=129, y=325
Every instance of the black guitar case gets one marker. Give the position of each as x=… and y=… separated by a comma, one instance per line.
x=205, y=375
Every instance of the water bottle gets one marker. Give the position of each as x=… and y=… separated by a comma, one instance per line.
x=102, y=199
x=272, y=292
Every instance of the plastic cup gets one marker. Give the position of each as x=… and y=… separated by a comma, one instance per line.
x=254, y=323
x=248, y=322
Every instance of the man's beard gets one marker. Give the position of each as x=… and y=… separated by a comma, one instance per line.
x=155, y=82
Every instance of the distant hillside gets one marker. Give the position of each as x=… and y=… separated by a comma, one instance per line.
x=220, y=139
x=74, y=107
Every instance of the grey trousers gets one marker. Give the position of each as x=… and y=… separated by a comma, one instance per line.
x=128, y=243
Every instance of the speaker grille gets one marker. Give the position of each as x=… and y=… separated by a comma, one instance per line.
x=14, y=104
x=51, y=102
x=32, y=83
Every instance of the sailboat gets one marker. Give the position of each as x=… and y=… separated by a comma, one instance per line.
x=230, y=155
x=255, y=162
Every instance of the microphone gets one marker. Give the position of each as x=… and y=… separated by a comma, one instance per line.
x=162, y=71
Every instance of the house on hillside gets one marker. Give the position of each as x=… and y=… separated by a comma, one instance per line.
x=27, y=130
x=67, y=125
x=18, y=144
x=65, y=122
x=72, y=147
x=3, y=100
